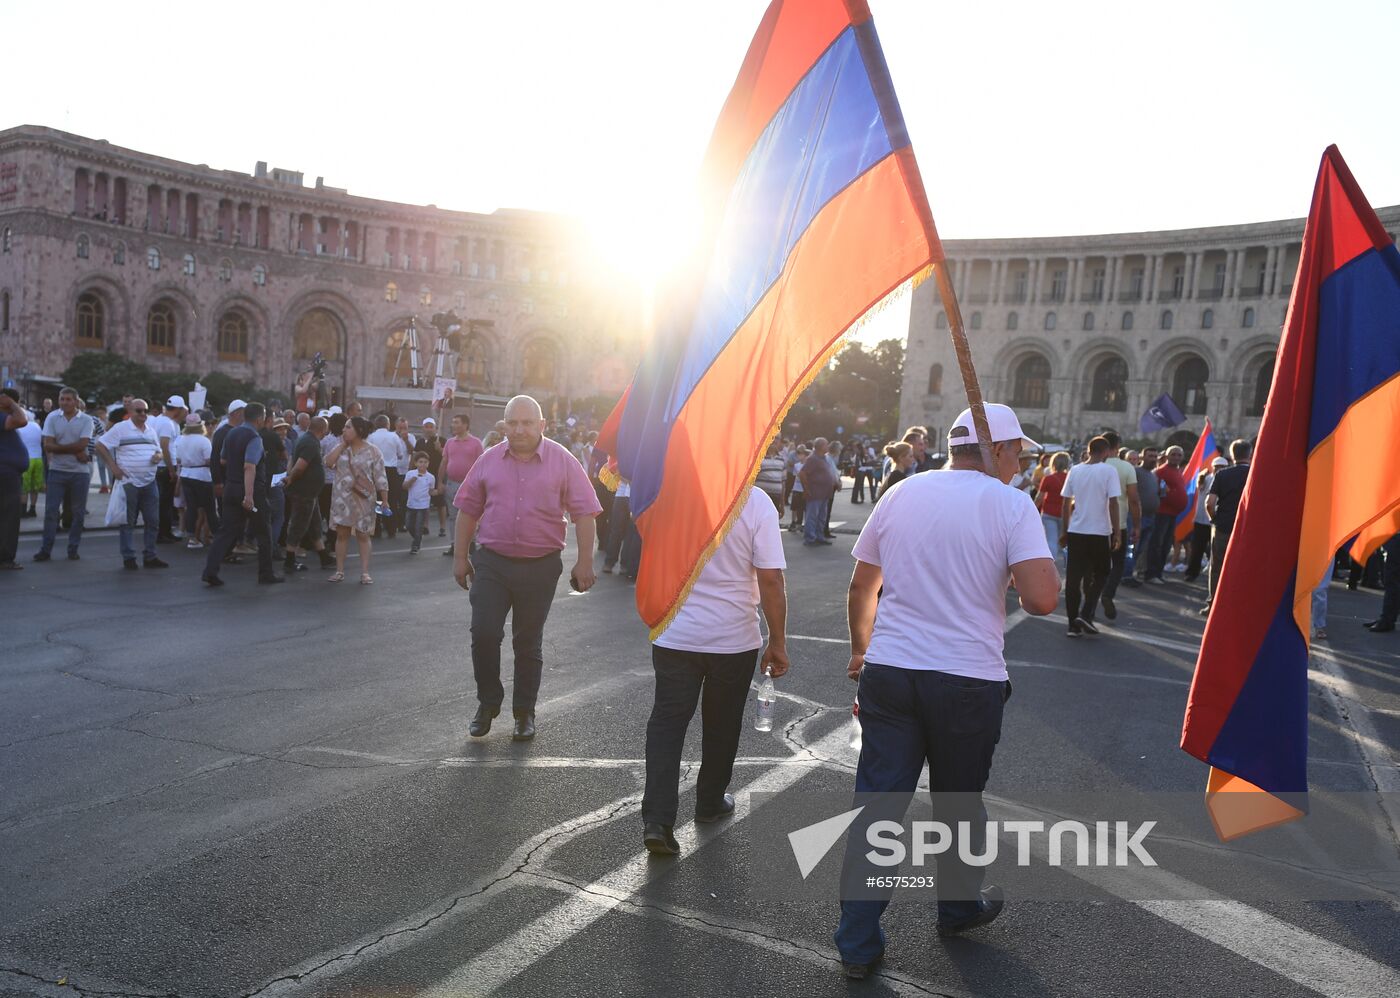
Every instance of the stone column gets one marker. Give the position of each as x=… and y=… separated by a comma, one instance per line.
x=1158, y=263
x=1266, y=286
x=998, y=272
x=1238, y=272
x=1110, y=278
x=1198, y=261
x=1037, y=271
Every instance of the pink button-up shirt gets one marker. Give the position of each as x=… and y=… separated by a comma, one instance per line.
x=520, y=504
x=459, y=456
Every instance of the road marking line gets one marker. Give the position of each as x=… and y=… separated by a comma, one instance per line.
x=1100, y=673
x=747, y=933
x=529, y=762
x=505, y=961
x=813, y=637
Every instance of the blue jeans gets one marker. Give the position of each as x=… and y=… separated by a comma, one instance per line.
x=909, y=717
x=814, y=520
x=65, y=488
x=276, y=512
x=416, y=521
x=145, y=500
x=1052, y=537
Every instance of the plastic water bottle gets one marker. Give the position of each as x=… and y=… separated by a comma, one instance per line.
x=855, y=725
x=767, y=697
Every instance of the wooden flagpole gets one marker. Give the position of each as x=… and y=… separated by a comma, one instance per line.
x=964, y=353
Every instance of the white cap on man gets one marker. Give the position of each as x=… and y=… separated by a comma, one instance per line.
x=235, y=405
x=174, y=402
x=430, y=421
x=1001, y=423
x=1220, y=462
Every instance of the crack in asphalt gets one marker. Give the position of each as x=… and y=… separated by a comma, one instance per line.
x=493, y=885
x=68, y=984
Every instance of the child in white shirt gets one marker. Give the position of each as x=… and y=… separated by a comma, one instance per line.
x=418, y=485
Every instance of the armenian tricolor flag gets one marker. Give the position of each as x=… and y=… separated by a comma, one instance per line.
x=815, y=213
x=1326, y=468
x=1206, y=451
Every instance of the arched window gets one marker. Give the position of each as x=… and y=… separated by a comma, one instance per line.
x=189, y=265
x=119, y=253
x=1013, y=322
x=233, y=337
x=225, y=269
x=1248, y=320
x=259, y=275
x=91, y=327
x=1167, y=319
x=1263, y=380
x=976, y=320
x=935, y=379
x=1088, y=321
x=1208, y=319
x=472, y=362
x=5, y=239
x=1031, y=384
x=940, y=321
x=541, y=364
x=1049, y=322
x=84, y=246
x=391, y=292
x=153, y=258
x=425, y=295
x=160, y=328
x=318, y=331
x=1189, y=385
x=1127, y=321
x=4, y=311
x=1108, y=391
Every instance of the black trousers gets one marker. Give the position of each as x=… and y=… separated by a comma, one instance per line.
x=167, y=503
x=392, y=524
x=1086, y=573
x=524, y=589
x=719, y=683
x=199, y=495
x=11, y=505
x=1117, y=561
x=234, y=521
x=1199, y=543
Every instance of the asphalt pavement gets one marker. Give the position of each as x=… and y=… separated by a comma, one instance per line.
x=270, y=791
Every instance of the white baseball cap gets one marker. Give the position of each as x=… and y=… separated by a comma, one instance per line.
x=1001, y=423
x=1220, y=462
x=174, y=402
x=235, y=405
x=335, y=410
x=429, y=421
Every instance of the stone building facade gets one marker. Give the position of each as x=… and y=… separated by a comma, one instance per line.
x=188, y=268
x=1083, y=333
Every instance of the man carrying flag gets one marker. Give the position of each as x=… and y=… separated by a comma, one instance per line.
x=1326, y=468
x=1202, y=459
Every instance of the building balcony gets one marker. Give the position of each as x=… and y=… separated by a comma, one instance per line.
x=1092, y=297
x=1210, y=294
x=1169, y=296
x=980, y=298
x=1014, y=298
x=1255, y=292
x=1130, y=297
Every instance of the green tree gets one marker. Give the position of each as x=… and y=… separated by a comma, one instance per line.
x=106, y=377
x=857, y=394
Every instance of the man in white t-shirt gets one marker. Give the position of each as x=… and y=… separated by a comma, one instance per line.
x=710, y=650
x=1090, y=532
x=395, y=454
x=167, y=425
x=927, y=652
x=131, y=450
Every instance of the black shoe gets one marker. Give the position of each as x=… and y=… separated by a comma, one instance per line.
x=451, y=550
x=1351, y=587
x=154, y=563
x=481, y=724
x=129, y=564
x=271, y=580
x=725, y=809
x=658, y=839
x=73, y=556
x=1086, y=625
x=296, y=566
x=524, y=728
x=212, y=581
x=1109, y=610
x=290, y=562
x=1381, y=626
x=42, y=556
x=233, y=559
x=989, y=907
x=1075, y=630
x=1132, y=583
x=860, y=971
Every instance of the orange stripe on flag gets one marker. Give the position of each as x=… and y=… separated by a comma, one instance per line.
x=824, y=288
x=1351, y=474
x=1237, y=807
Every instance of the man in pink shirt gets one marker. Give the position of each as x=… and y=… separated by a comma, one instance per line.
x=514, y=503
x=458, y=455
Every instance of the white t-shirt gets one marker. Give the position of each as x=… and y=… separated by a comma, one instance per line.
x=33, y=436
x=132, y=450
x=721, y=613
x=418, y=486
x=165, y=430
x=191, y=452
x=389, y=446
x=945, y=542
x=406, y=458
x=1091, y=486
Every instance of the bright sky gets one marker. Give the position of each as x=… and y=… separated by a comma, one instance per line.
x=1028, y=118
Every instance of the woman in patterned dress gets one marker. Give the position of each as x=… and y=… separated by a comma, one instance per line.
x=359, y=474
